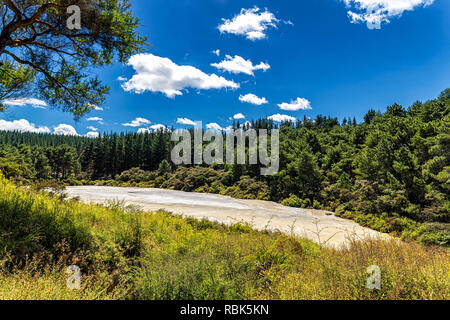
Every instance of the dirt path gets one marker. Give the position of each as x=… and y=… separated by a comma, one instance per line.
x=317, y=225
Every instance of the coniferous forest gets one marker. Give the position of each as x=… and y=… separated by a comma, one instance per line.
x=391, y=172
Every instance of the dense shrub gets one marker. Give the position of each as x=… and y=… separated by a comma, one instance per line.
x=292, y=201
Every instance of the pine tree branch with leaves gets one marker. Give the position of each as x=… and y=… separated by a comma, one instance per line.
x=40, y=55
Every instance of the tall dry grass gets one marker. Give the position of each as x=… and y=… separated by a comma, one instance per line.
x=127, y=254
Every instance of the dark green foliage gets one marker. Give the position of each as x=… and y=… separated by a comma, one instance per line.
x=41, y=54
x=164, y=168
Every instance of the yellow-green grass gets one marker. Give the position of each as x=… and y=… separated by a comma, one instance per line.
x=124, y=253
x=51, y=284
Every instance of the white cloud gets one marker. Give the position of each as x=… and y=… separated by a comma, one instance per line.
x=92, y=128
x=238, y=64
x=185, y=121
x=21, y=102
x=216, y=52
x=298, y=104
x=238, y=116
x=376, y=12
x=138, y=122
x=95, y=119
x=253, y=99
x=25, y=126
x=157, y=74
x=121, y=78
x=92, y=134
x=22, y=126
x=215, y=126
x=143, y=130
x=65, y=130
x=158, y=127
x=253, y=23
x=281, y=118
x=94, y=107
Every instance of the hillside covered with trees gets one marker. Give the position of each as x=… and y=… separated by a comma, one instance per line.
x=390, y=172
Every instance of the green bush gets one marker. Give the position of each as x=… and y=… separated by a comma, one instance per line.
x=306, y=203
x=316, y=205
x=292, y=201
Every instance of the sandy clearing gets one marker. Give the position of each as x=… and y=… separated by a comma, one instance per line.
x=317, y=225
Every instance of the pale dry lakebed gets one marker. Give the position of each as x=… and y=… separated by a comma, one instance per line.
x=317, y=225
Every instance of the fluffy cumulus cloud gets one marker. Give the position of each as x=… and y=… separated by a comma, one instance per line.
x=238, y=116
x=22, y=126
x=281, y=118
x=21, y=102
x=251, y=23
x=214, y=126
x=253, y=99
x=143, y=130
x=138, y=122
x=376, y=12
x=65, y=130
x=238, y=64
x=156, y=127
x=94, y=107
x=185, y=121
x=298, y=104
x=157, y=74
x=92, y=134
x=92, y=128
x=217, y=127
x=216, y=52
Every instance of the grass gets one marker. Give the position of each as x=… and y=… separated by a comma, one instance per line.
x=128, y=254
x=50, y=284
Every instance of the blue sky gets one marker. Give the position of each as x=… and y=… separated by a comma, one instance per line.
x=304, y=57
